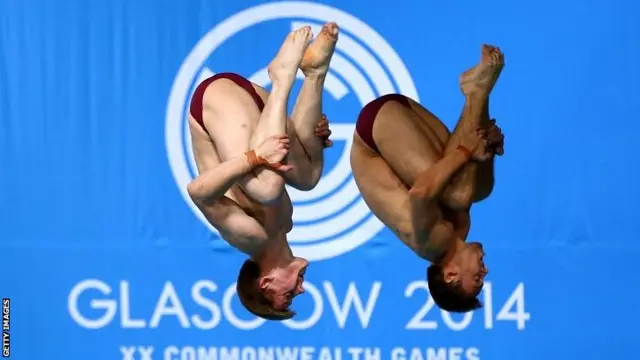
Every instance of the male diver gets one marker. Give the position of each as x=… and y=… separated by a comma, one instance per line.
x=421, y=180
x=246, y=150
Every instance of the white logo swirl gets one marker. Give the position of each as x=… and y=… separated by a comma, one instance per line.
x=335, y=218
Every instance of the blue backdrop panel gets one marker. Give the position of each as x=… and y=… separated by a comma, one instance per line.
x=103, y=256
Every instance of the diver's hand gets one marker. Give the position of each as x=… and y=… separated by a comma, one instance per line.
x=271, y=152
x=476, y=142
x=495, y=138
x=323, y=131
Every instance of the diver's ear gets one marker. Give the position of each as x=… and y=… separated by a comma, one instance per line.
x=265, y=281
x=450, y=275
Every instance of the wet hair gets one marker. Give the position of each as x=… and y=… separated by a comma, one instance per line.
x=253, y=299
x=449, y=296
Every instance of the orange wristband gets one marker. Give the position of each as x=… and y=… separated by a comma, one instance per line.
x=253, y=159
x=465, y=151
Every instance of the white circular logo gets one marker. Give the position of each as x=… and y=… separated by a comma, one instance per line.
x=332, y=219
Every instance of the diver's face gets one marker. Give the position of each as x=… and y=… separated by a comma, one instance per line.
x=286, y=283
x=472, y=268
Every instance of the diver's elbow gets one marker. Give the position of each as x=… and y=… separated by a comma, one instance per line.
x=196, y=191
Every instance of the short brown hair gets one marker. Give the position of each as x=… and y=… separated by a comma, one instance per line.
x=449, y=296
x=253, y=299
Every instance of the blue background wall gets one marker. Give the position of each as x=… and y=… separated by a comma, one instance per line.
x=100, y=252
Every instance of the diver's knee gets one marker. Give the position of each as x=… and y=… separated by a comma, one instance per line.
x=482, y=194
x=269, y=189
x=457, y=199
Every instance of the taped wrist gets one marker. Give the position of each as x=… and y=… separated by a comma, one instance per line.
x=254, y=160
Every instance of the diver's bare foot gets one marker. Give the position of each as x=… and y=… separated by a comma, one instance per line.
x=480, y=79
x=317, y=57
x=282, y=69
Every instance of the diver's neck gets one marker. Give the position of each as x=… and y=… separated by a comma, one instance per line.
x=457, y=244
x=276, y=253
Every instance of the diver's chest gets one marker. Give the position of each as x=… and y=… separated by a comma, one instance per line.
x=266, y=214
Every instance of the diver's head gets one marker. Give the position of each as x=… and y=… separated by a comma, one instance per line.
x=268, y=294
x=455, y=283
